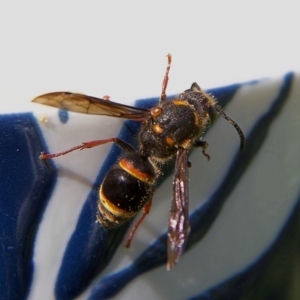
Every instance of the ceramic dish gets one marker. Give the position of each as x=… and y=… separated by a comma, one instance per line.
x=244, y=206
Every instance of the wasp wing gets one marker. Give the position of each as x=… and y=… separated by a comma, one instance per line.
x=179, y=226
x=91, y=105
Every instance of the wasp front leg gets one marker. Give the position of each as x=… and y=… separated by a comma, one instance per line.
x=87, y=145
x=203, y=145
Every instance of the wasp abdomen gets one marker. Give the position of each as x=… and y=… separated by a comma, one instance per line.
x=126, y=189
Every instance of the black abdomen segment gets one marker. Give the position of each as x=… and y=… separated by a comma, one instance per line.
x=126, y=189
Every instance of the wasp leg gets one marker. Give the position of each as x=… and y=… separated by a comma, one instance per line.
x=90, y=144
x=166, y=79
x=203, y=145
x=106, y=97
x=146, y=211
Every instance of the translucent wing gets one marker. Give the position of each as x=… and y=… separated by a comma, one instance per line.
x=91, y=105
x=179, y=226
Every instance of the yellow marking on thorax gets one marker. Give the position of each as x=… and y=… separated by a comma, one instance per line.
x=155, y=111
x=180, y=102
x=157, y=128
x=170, y=141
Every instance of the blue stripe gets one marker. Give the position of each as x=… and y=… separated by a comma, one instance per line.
x=24, y=193
x=203, y=218
x=92, y=242
x=272, y=275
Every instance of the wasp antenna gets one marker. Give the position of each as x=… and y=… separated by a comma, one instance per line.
x=234, y=124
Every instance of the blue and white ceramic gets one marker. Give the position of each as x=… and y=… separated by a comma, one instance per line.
x=244, y=206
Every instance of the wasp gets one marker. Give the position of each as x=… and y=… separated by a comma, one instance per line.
x=168, y=131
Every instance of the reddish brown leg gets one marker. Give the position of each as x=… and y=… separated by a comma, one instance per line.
x=90, y=144
x=166, y=79
x=146, y=211
x=204, y=146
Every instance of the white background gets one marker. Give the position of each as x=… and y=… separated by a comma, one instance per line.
x=118, y=47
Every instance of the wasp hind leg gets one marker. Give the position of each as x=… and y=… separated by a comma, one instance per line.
x=146, y=211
